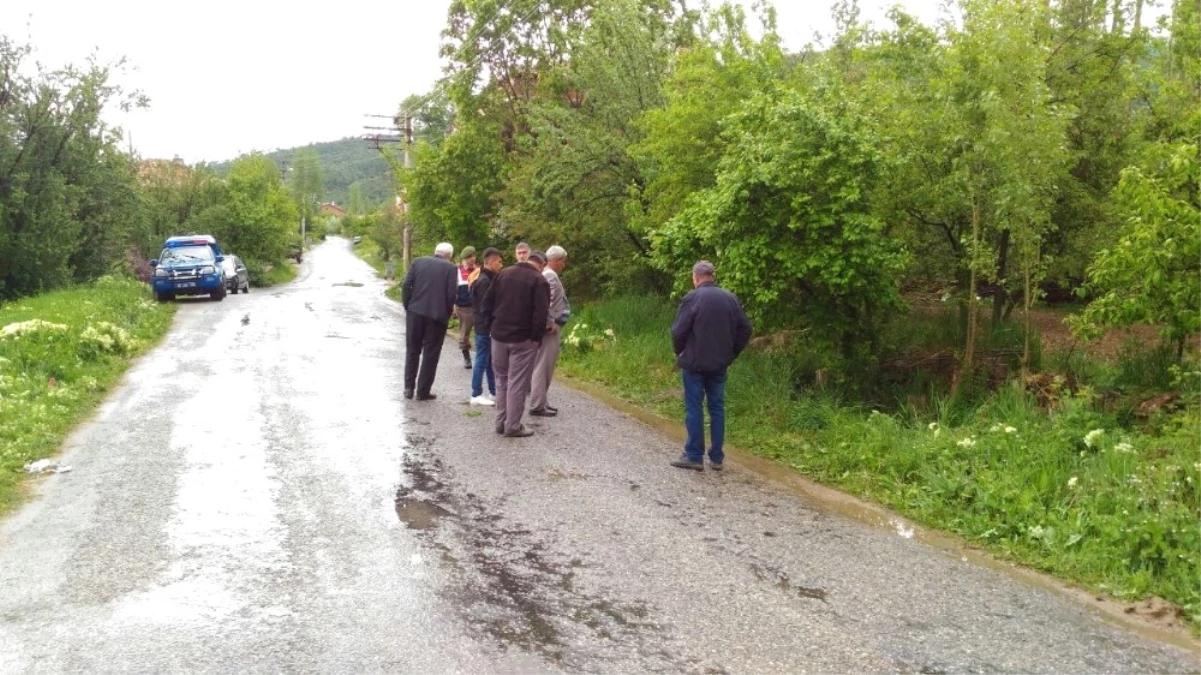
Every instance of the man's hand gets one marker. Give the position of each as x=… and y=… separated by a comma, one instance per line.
x=552, y=329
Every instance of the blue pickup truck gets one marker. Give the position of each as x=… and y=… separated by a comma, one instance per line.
x=189, y=265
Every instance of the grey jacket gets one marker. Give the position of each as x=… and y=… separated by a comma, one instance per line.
x=430, y=287
x=560, y=310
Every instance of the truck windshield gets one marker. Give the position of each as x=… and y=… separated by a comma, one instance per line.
x=203, y=253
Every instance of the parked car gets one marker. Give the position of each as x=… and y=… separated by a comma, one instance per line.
x=356, y=241
x=237, y=277
x=189, y=265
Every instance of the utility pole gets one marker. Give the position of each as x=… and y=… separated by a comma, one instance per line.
x=402, y=128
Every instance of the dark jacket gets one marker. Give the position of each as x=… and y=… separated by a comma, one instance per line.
x=710, y=330
x=430, y=287
x=518, y=303
x=482, y=321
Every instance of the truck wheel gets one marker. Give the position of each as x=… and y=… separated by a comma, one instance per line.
x=218, y=295
x=164, y=297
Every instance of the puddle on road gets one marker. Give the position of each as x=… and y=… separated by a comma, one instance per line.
x=351, y=284
x=418, y=514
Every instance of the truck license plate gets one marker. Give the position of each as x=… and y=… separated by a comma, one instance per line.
x=186, y=284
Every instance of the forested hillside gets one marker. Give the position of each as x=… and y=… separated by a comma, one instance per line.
x=343, y=162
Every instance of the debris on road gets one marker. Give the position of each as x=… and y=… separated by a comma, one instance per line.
x=46, y=466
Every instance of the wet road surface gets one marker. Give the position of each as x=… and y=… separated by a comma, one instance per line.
x=257, y=496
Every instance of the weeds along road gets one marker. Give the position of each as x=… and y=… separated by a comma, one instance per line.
x=257, y=496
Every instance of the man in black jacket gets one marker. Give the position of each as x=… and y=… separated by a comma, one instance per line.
x=709, y=332
x=428, y=295
x=517, y=303
x=483, y=326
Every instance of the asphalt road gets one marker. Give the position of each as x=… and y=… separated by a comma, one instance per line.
x=258, y=497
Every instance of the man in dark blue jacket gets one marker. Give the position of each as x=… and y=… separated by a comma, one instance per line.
x=709, y=332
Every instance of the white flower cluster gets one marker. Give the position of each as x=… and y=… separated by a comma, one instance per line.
x=968, y=442
x=998, y=426
x=108, y=338
x=16, y=330
x=1092, y=438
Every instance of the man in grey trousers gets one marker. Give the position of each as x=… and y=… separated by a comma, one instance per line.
x=548, y=351
x=518, y=302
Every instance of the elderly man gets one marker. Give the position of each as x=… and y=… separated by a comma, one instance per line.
x=522, y=252
x=428, y=295
x=463, y=303
x=548, y=351
x=709, y=332
x=518, y=302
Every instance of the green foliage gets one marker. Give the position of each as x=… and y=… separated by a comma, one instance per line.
x=305, y=182
x=451, y=187
x=343, y=162
x=1151, y=275
x=258, y=220
x=64, y=184
x=788, y=222
x=59, y=353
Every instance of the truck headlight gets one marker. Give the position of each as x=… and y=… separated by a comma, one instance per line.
x=160, y=272
x=208, y=269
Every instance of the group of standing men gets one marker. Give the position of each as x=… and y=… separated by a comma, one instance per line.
x=517, y=314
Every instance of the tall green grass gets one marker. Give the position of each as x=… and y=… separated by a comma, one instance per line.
x=59, y=354
x=1077, y=491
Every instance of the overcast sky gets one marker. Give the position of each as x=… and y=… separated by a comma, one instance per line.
x=226, y=77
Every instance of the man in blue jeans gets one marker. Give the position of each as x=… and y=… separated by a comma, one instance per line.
x=483, y=327
x=709, y=332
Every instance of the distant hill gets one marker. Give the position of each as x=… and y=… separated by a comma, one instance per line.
x=342, y=163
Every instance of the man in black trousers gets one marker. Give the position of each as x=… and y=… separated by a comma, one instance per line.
x=428, y=295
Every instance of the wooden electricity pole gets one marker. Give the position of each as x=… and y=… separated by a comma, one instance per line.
x=402, y=128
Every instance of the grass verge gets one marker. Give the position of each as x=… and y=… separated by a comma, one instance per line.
x=370, y=253
x=1073, y=492
x=60, y=353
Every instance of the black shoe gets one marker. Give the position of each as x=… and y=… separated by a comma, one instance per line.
x=426, y=397
x=716, y=466
x=544, y=412
x=467, y=360
x=684, y=463
x=500, y=431
x=519, y=432
x=552, y=408
x=408, y=393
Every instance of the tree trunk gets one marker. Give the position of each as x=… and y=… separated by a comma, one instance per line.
x=1001, y=296
x=1138, y=15
x=1026, y=305
x=969, y=349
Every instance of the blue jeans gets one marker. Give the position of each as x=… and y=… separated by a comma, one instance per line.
x=482, y=366
x=697, y=387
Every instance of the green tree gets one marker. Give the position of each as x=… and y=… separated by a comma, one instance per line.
x=306, y=183
x=257, y=220
x=63, y=180
x=355, y=205
x=1151, y=275
x=788, y=222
